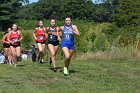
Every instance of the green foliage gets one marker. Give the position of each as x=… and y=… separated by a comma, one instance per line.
x=102, y=12
x=122, y=12
x=127, y=12
x=27, y=25
x=27, y=40
x=101, y=42
x=27, y=11
x=121, y=36
x=83, y=43
x=79, y=9
x=8, y=12
x=123, y=15
x=94, y=37
x=32, y=24
x=138, y=36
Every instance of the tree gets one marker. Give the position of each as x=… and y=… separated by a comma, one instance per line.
x=8, y=12
x=77, y=9
x=27, y=12
x=127, y=12
x=104, y=10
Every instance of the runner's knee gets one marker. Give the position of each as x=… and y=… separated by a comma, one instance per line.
x=67, y=57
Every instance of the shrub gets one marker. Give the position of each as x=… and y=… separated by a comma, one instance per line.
x=27, y=40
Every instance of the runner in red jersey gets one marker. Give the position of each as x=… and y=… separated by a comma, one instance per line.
x=6, y=47
x=14, y=37
x=40, y=36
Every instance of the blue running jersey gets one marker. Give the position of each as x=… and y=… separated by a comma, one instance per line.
x=68, y=38
x=68, y=35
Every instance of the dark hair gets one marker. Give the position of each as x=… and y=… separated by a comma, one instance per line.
x=52, y=18
x=68, y=17
x=37, y=24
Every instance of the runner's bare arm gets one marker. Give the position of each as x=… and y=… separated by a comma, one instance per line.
x=61, y=29
x=3, y=38
x=20, y=37
x=46, y=33
x=75, y=30
x=58, y=33
x=34, y=34
x=8, y=38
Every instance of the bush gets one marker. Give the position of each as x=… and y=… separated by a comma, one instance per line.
x=94, y=37
x=27, y=40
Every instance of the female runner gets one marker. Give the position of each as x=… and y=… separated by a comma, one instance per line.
x=14, y=37
x=40, y=37
x=6, y=47
x=53, y=41
x=68, y=33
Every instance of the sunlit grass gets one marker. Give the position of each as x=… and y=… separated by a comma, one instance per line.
x=90, y=76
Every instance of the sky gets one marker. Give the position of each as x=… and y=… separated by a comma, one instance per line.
x=33, y=1
x=38, y=0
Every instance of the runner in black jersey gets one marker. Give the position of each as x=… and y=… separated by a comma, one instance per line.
x=53, y=41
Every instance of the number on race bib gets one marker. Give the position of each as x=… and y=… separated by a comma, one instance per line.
x=15, y=40
x=41, y=38
x=51, y=37
x=68, y=36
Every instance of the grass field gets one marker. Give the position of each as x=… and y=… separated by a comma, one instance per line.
x=87, y=76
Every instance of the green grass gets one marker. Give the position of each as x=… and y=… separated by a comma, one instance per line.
x=87, y=76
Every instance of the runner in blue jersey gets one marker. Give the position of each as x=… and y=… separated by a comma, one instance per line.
x=68, y=33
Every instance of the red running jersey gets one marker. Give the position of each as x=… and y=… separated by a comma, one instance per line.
x=14, y=37
x=40, y=34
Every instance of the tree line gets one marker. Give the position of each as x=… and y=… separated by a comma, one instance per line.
x=120, y=12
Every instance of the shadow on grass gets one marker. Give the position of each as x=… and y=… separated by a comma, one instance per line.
x=70, y=71
x=58, y=68
x=21, y=65
x=73, y=71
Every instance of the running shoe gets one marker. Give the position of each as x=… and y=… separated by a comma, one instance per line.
x=54, y=69
x=66, y=72
x=15, y=65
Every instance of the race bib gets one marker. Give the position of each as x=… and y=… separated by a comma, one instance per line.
x=51, y=36
x=15, y=40
x=68, y=36
x=41, y=38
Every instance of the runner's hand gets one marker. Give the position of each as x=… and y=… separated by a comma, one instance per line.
x=7, y=42
x=59, y=38
x=35, y=38
x=12, y=42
